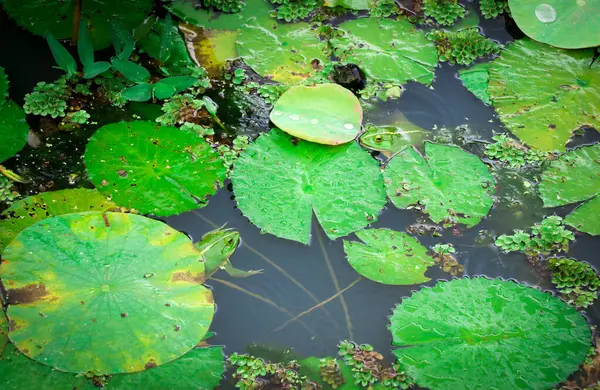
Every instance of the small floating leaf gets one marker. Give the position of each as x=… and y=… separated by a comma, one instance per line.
x=552, y=21
x=388, y=51
x=80, y=277
x=278, y=184
x=13, y=130
x=155, y=169
x=487, y=334
x=25, y=212
x=388, y=257
x=544, y=94
x=574, y=178
x=449, y=184
x=326, y=114
x=476, y=79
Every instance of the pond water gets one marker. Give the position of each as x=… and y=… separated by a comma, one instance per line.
x=294, y=308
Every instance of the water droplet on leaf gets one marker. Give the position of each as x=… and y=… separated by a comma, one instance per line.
x=349, y=126
x=545, y=13
x=294, y=117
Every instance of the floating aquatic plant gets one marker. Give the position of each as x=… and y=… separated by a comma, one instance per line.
x=383, y=8
x=576, y=280
x=48, y=99
x=254, y=373
x=512, y=152
x=229, y=154
x=229, y=6
x=293, y=10
x=493, y=8
x=330, y=372
x=572, y=178
x=546, y=237
x=443, y=254
x=7, y=191
x=518, y=335
x=237, y=77
x=462, y=47
x=445, y=12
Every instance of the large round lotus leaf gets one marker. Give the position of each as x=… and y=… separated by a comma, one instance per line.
x=107, y=293
x=476, y=79
x=388, y=51
x=286, y=53
x=543, y=94
x=26, y=212
x=388, y=257
x=487, y=334
x=13, y=130
x=449, y=184
x=574, y=178
x=56, y=16
x=278, y=184
x=155, y=169
x=201, y=368
x=553, y=21
x=326, y=113
x=3, y=86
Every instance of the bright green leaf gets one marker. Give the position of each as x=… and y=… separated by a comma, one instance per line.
x=85, y=46
x=552, y=21
x=544, y=94
x=388, y=51
x=163, y=91
x=476, y=79
x=388, y=257
x=358, y=5
x=94, y=69
x=13, y=130
x=326, y=114
x=104, y=292
x=178, y=83
x=488, y=334
x=574, y=178
x=130, y=70
x=278, y=185
x=449, y=184
x=122, y=40
x=155, y=169
x=166, y=40
x=63, y=58
x=138, y=93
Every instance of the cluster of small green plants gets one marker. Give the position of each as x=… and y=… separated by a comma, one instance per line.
x=269, y=95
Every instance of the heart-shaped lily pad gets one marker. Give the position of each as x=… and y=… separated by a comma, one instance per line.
x=326, y=113
x=278, y=184
x=449, y=184
x=105, y=293
x=543, y=94
x=388, y=257
x=155, y=169
x=13, y=130
x=487, y=334
x=553, y=21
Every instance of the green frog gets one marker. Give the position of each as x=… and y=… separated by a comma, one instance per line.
x=217, y=246
x=392, y=139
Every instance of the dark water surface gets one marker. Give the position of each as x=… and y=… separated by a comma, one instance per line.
x=297, y=277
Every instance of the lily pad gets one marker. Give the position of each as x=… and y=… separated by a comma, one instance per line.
x=25, y=212
x=358, y=5
x=278, y=184
x=388, y=257
x=543, y=94
x=98, y=14
x=286, y=53
x=13, y=130
x=187, y=10
x=3, y=86
x=326, y=113
x=488, y=334
x=476, y=79
x=552, y=21
x=388, y=51
x=449, y=184
x=210, y=48
x=105, y=293
x=154, y=169
x=18, y=372
x=201, y=368
x=574, y=178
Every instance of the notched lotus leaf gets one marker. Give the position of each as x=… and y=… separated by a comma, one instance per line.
x=105, y=293
x=543, y=94
x=449, y=184
x=279, y=183
x=488, y=334
x=155, y=169
x=388, y=51
x=326, y=113
x=552, y=21
x=574, y=178
x=13, y=130
x=388, y=257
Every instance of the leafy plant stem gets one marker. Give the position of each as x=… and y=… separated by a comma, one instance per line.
x=11, y=175
x=76, y=21
x=336, y=283
x=320, y=304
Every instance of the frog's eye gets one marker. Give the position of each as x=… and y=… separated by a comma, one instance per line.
x=378, y=138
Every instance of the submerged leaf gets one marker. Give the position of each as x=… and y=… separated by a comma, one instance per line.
x=278, y=184
x=13, y=130
x=326, y=114
x=155, y=169
x=388, y=257
x=487, y=334
x=574, y=178
x=449, y=184
x=388, y=51
x=116, y=286
x=544, y=94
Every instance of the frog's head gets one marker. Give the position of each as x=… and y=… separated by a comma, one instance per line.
x=380, y=138
x=219, y=243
